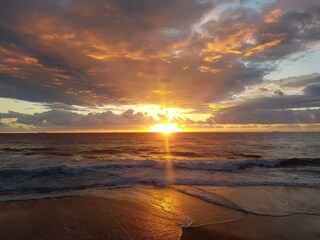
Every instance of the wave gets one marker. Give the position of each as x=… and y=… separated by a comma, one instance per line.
x=11, y=149
x=225, y=166
x=301, y=162
x=36, y=149
x=240, y=165
x=61, y=154
x=177, y=153
x=65, y=169
x=185, y=154
x=103, y=151
x=247, y=155
x=16, y=181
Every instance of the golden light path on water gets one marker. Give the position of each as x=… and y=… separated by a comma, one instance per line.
x=167, y=129
x=170, y=178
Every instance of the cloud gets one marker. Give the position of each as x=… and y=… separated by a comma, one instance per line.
x=66, y=120
x=103, y=52
x=301, y=81
x=170, y=53
x=280, y=109
x=247, y=34
x=268, y=116
x=313, y=90
x=3, y=126
x=279, y=93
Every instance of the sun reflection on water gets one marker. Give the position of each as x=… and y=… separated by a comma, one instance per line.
x=170, y=178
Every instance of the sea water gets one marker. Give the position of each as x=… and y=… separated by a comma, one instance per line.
x=41, y=165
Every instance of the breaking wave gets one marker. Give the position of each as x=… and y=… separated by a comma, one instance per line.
x=16, y=182
x=65, y=169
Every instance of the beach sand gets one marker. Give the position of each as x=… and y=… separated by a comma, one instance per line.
x=257, y=227
x=159, y=213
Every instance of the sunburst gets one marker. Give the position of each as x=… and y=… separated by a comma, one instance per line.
x=166, y=128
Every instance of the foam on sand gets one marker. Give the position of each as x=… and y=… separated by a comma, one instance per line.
x=119, y=214
x=153, y=213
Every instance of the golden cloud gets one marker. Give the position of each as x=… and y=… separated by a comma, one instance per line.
x=232, y=44
x=204, y=69
x=273, y=16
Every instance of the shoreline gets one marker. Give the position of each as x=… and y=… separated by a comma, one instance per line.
x=257, y=227
x=161, y=213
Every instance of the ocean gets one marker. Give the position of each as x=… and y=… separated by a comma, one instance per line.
x=34, y=166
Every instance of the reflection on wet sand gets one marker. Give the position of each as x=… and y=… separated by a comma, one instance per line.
x=144, y=213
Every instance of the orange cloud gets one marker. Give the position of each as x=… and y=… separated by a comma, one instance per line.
x=212, y=58
x=232, y=44
x=243, y=43
x=208, y=69
x=262, y=47
x=273, y=16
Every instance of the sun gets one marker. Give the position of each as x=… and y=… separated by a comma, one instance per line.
x=165, y=128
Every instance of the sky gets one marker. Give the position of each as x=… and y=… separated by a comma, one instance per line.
x=127, y=65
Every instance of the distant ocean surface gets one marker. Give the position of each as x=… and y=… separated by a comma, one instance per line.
x=47, y=165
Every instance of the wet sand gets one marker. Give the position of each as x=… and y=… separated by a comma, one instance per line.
x=258, y=227
x=159, y=213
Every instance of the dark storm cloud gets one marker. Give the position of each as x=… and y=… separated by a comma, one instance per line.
x=103, y=52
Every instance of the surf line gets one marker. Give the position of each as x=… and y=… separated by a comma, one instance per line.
x=220, y=222
x=225, y=202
